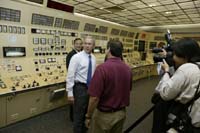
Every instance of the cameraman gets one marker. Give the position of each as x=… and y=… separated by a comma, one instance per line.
x=181, y=86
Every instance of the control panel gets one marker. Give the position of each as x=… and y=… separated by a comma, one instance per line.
x=35, y=42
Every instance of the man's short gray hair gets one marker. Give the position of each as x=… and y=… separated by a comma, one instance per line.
x=90, y=37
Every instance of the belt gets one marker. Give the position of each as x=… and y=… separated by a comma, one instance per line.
x=111, y=110
x=80, y=83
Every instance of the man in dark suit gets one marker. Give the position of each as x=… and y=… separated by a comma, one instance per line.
x=77, y=47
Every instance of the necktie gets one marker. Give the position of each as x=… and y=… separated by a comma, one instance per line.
x=89, y=74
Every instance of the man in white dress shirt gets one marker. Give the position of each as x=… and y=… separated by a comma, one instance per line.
x=80, y=71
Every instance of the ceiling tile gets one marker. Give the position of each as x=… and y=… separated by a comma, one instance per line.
x=117, y=1
x=81, y=0
x=182, y=0
x=107, y=4
x=93, y=4
x=166, y=1
x=132, y=7
x=172, y=7
x=138, y=16
x=130, y=0
x=138, y=4
x=182, y=16
x=148, y=15
x=187, y=5
x=120, y=13
x=83, y=7
x=71, y=2
x=125, y=5
x=148, y=10
x=151, y=2
x=178, y=12
x=99, y=1
x=197, y=3
x=160, y=8
x=193, y=15
x=141, y=12
x=191, y=10
x=129, y=13
x=163, y=18
x=176, y=20
x=185, y=19
x=196, y=19
x=137, y=11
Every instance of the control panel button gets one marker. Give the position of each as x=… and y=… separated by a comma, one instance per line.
x=13, y=88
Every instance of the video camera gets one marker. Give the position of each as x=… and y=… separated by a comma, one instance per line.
x=168, y=48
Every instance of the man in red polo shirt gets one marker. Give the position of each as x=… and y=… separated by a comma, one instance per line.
x=109, y=92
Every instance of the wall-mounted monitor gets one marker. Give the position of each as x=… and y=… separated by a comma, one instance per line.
x=89, y=27
x=141, y=46
x=103, y=29
x=115, y=32
x=123, y=33
x=14, y=51
x=97, y=49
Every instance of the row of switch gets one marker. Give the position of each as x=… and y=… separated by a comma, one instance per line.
x=56, y=53
x=34, y=84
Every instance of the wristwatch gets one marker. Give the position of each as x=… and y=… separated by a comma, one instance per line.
x=168, y=73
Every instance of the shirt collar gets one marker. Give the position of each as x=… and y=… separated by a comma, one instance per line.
x=76, y=50
x=114, y=59
x=86, y=53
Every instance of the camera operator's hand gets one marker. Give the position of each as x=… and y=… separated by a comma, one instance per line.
x=164, y=53
x=165, y=66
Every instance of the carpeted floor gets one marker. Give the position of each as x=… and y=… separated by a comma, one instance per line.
x=57, y=121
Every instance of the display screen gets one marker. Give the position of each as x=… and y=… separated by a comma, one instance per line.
x=14, y=51
x=103, y=29
x=97, y=49
x=89, y=27
x=141, y=45
x=115, y=32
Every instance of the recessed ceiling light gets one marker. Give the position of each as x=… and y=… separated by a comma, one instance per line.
x=101, y=7
x=168, y=12
x=151, y=5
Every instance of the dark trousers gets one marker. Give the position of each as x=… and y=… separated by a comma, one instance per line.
x=196, y=130
x=160, y=116
x=71, y=113
x=81, y=99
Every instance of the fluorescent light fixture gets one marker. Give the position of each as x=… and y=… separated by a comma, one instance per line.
x=29, y=2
